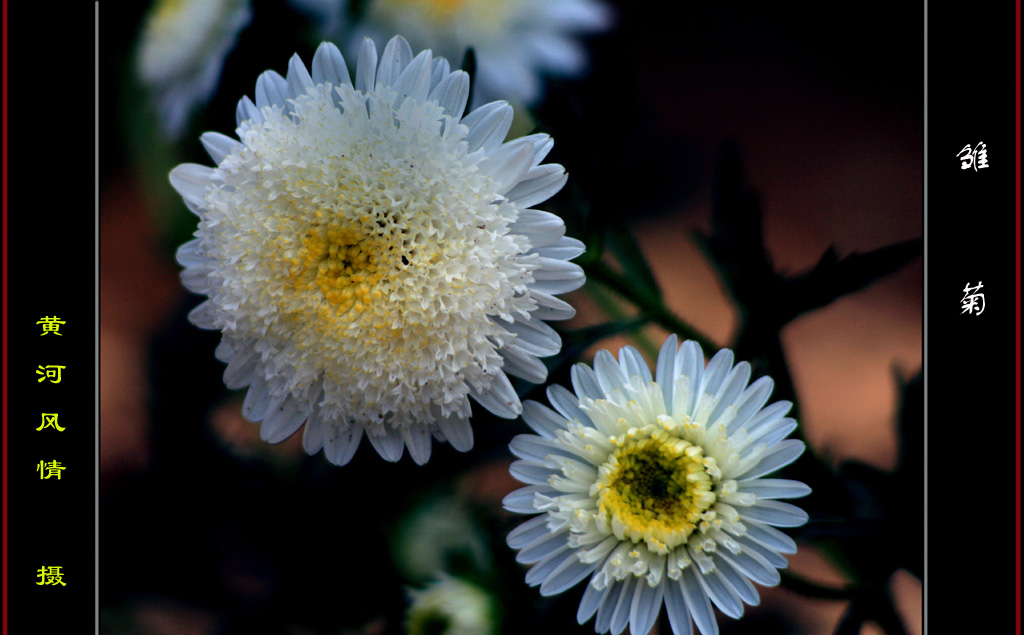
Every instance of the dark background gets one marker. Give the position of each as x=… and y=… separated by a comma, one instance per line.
x=206, y=531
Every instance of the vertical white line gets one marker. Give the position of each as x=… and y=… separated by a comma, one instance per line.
x=924, y=359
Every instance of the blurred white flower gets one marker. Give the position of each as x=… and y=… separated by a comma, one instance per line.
x=652, y=488
x=371, y=256
x=515, y=41
x=182, y=51
x=450, y=607
x=440, y=535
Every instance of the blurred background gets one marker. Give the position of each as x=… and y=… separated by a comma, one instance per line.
x=822, y=114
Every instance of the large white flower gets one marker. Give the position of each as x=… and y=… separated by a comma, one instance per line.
x=182, y=50
x=515, y=41
x=653, y=489
x=372, y=257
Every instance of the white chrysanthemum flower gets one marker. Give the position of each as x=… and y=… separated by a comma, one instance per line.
x=372, y=257
x=182, y=50
x=450, y=607
x=653, y=489
x=515, y=41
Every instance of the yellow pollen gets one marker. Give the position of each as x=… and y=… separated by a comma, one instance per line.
x=165, y=9
x=656, y=489
x=345, y=265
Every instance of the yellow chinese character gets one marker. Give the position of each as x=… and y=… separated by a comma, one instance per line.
x=51, y=372
x=50, y=575
x=51, y=325
x=48, y=469
x=50, y=421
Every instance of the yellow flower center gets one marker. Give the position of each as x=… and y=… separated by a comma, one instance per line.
x=441, y=9
x=654, y=488
x=489, y=13
x=166, y=9
x=346, y=264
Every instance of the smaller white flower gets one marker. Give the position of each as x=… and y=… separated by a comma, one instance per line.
x=182, y=50
x=652, y=488
x=515, y=41
x=450, y=607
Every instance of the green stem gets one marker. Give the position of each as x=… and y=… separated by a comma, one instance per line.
x=613, y=309
x=652, y=308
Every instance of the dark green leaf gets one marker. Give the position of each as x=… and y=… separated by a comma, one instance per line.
x=634, y=265
x=469, y=65
x=833, y=277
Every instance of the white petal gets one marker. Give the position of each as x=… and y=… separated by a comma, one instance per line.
x=204, y=316
x=585, y=382
x=389, y=445
x=542, y=228
x=366, y=66
x=452, y=93
x=592, y=598
x=567, y=404
x=527, y=532
x=609, y=373
x=414, y=81
x=633, y=364
x=739, y=582
x=247, y=111
x=458, y=432
x=507, y=164
x=519, y=363
x=312, y=435
x=299, y=80
x=542, y=547
x=241, y=370
x=719, y=591
x=282, y=421
x=218, y=146
x=620, y=618
x=329, y=66
x=500, y=398
x=488, y=126
x=191, y=181
x=257, y=401
x=775, y=513
x=396, y=56
x=751, y=565
x=716, y=372
x=678, y=612
x=540, y=184
x=417, y=439
x=645, y=607
x=543, y=569
x=565, y=249
x=567, y=575
x=769, y=537
x=698, y=602
x=550, y=307
x=665, y=369
x=340, y=444
x=271, y=90
x=530, y=473
x=542, y=419
x=752, y=399
x=557, y=276
x=784, y=453
x=775, y=488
